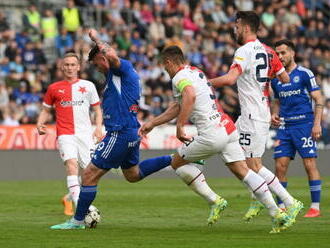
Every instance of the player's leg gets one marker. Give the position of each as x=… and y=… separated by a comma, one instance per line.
x=307, y=149
x=90, y=178
x=281, y=168
x=68, y=149
x=195, y=180
x=315, y=183
x=200, y=148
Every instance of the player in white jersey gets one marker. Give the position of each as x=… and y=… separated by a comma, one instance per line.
x=71, y=99
x=254, y=64
x=216, y=135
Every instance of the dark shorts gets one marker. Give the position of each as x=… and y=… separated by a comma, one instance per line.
x=118, y=149
x=295, y=139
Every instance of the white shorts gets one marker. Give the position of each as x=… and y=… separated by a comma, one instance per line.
x=219, y=142
x=253, y=136
x=76, y=147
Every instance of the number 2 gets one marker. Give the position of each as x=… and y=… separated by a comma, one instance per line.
x=261, y=66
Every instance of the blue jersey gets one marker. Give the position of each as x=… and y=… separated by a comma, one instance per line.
x=121, y=98
x=295, y=102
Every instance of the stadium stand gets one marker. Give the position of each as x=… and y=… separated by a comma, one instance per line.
x=33, y=34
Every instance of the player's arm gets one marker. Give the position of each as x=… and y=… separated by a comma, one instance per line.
x=229, y=78
x=171, y=112
x=187, y=105
x=275, y=112
x=318, y=110
x=109, y=53
x=42, y=119
x=283, y=77
x=98, y=123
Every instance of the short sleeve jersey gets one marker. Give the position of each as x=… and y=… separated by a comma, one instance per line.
x=121, y=97
x=72, y=102
x=256, y=63
x=205, y=113
x=295, y=101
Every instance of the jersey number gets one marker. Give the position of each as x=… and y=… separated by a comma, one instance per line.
x=308, y=142
x=261, y=66
x=245, y=139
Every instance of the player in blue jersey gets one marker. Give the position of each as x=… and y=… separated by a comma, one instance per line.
x=120, y=147
x=299, y=125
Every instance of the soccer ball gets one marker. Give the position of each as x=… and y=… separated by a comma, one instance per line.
x=92, y=217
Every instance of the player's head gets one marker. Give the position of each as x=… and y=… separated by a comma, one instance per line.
x=70, y=65
x=247, y=22
x=285, y=50
x=97, y=58
x=172, y=58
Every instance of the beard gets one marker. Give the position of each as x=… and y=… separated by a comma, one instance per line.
x=239, y=39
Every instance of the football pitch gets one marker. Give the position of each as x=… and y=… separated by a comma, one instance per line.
x=152, y=213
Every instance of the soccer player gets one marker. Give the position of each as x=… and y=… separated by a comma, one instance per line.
x=299, y=127
x=216, y=132
x=254, y=63
x=71, y=99
x=120, y=147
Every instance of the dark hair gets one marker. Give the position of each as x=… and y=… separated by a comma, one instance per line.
x=249, y=18
x=174, y=53
x=95, y=50
x=286, y=42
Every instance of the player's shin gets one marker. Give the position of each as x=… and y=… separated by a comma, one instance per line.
x=275, y=186
x=152, y=165
x=195, y=179
x=261, y=191
x=74, y=188
x=86, y=197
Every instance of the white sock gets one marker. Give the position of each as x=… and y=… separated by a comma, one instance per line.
x=195, y=179
x=259, y=187
x=315, y=205
x=74, y=188
x=275, y=186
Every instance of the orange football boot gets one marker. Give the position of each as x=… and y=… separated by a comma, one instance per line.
x=68, y=208
x=313, y=212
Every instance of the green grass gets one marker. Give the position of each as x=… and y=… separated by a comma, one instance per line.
x=153, y=213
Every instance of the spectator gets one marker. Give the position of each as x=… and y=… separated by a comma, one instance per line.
x=31, y=21
x=71, y=18
x=63, y=42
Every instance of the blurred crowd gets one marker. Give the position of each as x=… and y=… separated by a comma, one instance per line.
x=33, y=39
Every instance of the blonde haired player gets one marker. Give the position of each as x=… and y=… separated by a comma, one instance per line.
x=254, y=64
x=72, y=98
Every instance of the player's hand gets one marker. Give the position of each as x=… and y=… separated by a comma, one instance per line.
x=145, y=129
x=93, y=34
x=182, y=136
x=98, y=134
x=316, y=132
x=276, y=121
x=42, y=129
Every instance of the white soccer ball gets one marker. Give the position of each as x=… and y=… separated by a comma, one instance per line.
x=92, y=217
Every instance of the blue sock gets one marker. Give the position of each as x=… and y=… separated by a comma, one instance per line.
x=86, y=197
x=152, y=165
x=285, y=185
x=315, y=188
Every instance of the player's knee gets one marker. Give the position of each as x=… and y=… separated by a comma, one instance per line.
x=133, y=178
x=310, y=164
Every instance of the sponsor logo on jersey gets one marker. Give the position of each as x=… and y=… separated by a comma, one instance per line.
x=134, y=108
x=296, y=79
x=239, y=58
x=71, y=103
x=289, y=93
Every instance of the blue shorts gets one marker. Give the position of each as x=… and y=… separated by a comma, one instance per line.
x=118, y=149
x=294, y=139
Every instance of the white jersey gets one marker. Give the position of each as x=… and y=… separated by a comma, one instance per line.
x=72, y=102
x=205, y=113
x=257, y=63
